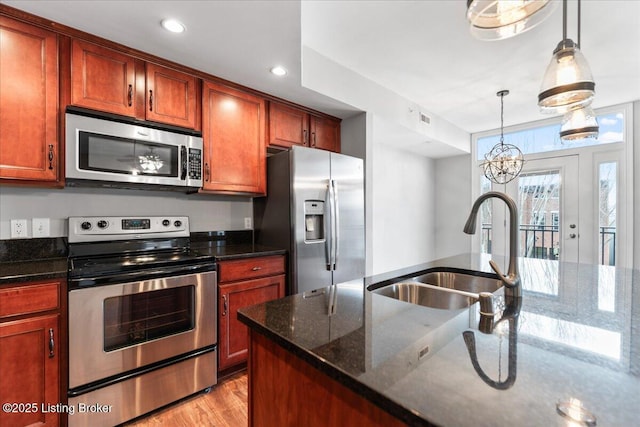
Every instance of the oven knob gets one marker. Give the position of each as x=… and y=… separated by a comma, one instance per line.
x=166, y=222
x=177, y=223
x=102, y=224
x=86, y=225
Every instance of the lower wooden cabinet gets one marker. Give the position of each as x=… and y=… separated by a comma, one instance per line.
x=30, y=354
x=241, y=289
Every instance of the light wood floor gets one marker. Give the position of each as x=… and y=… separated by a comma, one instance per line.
x=224, y=406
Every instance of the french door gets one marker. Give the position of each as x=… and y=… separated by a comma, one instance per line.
x=547, y=194
x=571, y=208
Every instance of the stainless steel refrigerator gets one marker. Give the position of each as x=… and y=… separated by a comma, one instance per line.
x=315, y=209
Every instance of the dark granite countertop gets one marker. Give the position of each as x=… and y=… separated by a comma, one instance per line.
x=25, y=260
x=27, y=271
x=575, y=336
x=234, y=251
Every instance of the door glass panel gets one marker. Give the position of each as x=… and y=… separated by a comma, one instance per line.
x=485, y=217
x=539, y=203
x=607, y=203
x=137, y=318
x=126, y=156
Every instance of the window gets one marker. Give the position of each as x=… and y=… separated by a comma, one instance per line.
x=546, y=138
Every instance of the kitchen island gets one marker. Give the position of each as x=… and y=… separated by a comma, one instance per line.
x=344, y=353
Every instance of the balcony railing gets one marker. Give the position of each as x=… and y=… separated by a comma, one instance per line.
x=542, y=241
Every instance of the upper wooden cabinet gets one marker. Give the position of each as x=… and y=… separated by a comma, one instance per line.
x=29, y=144
x=289, y=126
x=325, y=133
x=110, y=81
x=102, y=79
x=233, y=130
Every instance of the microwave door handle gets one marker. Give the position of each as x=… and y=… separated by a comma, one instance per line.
x=183, y=162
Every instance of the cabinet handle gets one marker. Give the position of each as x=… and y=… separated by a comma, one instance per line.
x=51, y=156
x=313, y=135
x=207, y=172
x=305, y=139
x=52, y=344
x=224, y=305
x=130, y=95
x=256, y=268
x=150, y=100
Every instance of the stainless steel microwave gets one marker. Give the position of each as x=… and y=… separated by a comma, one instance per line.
x=101, y=152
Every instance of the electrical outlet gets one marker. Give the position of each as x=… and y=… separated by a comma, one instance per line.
x=40, y=227
x=247, y=223
x=18, y=228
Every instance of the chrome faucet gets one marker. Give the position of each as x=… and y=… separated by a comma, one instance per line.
x=512, y=285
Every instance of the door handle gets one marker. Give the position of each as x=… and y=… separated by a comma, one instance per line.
x=573, y=235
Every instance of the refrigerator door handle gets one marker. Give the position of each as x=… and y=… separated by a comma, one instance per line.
x=328, y=224
x=336, y=224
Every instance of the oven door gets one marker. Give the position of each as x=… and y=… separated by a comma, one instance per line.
x=119, y=328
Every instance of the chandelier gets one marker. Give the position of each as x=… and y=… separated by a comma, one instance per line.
x=504, y=162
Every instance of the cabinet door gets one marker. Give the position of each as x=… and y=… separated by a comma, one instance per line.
x=233, y=336
x=325, y=133
x=233, y=130
x=29, y=148
x=287, y=126
x=171, y=96
x=29, y=371
x=102, y=79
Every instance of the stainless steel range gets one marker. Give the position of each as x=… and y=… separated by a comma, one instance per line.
x=142, y=317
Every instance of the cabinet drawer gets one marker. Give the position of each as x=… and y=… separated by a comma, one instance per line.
x=249, y=268
x=28, y=299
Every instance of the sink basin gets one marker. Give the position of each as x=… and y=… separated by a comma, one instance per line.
x=440, y=289
x=459, y=281
x=428, y=295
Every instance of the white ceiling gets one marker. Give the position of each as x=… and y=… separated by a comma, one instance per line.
x=421, y=50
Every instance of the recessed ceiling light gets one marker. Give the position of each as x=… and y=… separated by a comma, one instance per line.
x=173, y=25
x=279, y=71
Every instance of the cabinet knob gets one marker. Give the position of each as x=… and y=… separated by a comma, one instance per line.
x=256, y=268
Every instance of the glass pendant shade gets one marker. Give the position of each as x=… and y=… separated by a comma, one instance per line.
x=578, y=124
x=501, y=19
x=568, y=83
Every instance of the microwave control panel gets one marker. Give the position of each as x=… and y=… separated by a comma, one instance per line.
x=195, y=163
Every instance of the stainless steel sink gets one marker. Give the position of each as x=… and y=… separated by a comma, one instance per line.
x=459, y=281
x=428, y=295
x=440, y=289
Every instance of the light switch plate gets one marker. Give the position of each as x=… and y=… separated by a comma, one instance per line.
x=40, y=227
x=247, y=223
x=18, y=228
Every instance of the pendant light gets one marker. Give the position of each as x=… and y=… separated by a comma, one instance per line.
x=504, y=162
x=579, y=123
x=567, y=83
x=501, y=19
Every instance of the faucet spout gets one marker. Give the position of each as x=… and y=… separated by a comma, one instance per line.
x=511, y=280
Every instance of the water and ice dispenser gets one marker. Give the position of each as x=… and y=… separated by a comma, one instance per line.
x=314, y=220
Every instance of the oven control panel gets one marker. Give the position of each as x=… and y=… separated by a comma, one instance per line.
x=96, y=229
